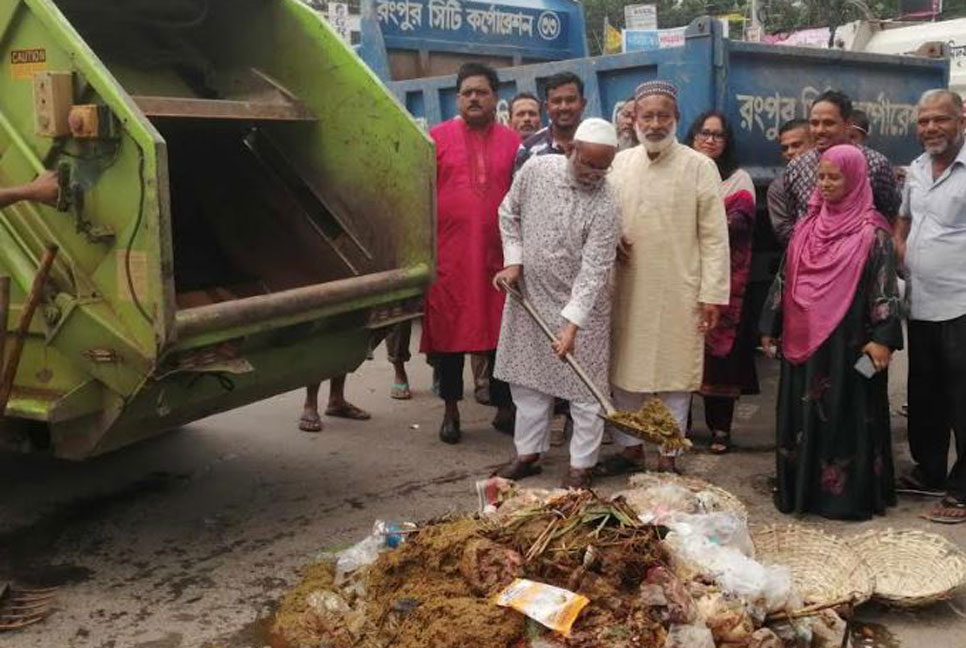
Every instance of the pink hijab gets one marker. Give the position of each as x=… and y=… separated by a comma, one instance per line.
x=826, y=256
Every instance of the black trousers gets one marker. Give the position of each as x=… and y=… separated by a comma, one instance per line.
x=449, y=368
x=937, y=400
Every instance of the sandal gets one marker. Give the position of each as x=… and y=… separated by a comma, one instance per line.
x=517, y=469
x=618, y=464
x=400, y=391
x=949, y=511
x=347, y=411
x=577, y=479
x=720, y=442
x=310, y=422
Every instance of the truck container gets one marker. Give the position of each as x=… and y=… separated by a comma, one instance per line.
x=758, y=86
x=244, y=208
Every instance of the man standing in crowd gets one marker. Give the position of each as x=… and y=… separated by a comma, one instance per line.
x=560, y=226
x=859, y=127
x=565, y=105
x=931, y=241
x=474, y=168
x=626, y=134
x=829, y=125
x=794, y=139
x=673, y=270
x=337, y=406
x=525, y=114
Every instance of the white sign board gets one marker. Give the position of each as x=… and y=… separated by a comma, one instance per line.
x=339, y=19
x=640, y=16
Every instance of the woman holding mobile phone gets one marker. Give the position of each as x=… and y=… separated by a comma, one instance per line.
x=833, y=311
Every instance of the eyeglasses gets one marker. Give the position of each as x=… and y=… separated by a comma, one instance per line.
x=715, y=136
x=590, y=167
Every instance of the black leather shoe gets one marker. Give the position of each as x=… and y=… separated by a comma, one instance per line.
x=449, y=431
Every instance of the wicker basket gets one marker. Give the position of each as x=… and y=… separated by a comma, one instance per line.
x=911, y=568
x=824, y=568
x=718, y=500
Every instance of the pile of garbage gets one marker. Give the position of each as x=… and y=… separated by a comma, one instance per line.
x=547, y=569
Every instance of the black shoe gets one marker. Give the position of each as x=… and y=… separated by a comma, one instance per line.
x=505, y=422
x=449, y=431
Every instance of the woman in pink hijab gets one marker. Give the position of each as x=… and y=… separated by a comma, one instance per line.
x=833, y=313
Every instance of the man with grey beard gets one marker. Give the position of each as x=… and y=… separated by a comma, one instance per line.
x=673, y=270
x=560, y=225
x=626, y=134
x=931, y=242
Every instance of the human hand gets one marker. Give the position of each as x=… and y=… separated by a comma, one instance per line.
x=43, y=189
x=770, y=346
x=710, y=316
x=624, y=249
x=879, y=353
x=566, y=340
x=510, y=274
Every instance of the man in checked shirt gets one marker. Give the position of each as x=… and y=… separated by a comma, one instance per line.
x=829, y=125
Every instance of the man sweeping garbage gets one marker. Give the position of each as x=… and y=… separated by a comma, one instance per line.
x=560, y=226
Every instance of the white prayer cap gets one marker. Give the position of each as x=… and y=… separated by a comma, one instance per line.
x=595, y=130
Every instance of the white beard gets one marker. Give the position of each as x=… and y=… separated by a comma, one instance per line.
x=661, y=145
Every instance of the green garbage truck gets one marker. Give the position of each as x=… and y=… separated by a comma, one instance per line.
x=243, y=209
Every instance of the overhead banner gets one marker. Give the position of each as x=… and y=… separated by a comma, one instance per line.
x=643, y=40
x=476, y=22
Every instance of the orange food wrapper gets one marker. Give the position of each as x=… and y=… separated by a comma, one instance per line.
x=550, y=606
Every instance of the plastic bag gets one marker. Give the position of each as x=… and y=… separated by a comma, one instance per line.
x=725, y=529
x=689, y=636
x=385, y=535
x=767, y=587
x=553, y=607
x=654, y=503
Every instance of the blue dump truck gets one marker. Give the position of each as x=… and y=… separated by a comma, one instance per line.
x=758, y=87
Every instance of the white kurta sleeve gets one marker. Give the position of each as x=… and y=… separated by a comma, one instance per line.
x=597, y=259
x=511, y=230
x=715, y=285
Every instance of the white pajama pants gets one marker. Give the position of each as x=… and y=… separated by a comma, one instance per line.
x=532, y=432
x=678, y=402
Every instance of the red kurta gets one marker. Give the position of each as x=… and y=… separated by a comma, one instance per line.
x=474, y=170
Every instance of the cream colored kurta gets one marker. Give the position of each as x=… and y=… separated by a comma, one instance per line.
x=675, y=220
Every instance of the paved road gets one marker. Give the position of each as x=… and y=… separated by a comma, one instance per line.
x=189, y=539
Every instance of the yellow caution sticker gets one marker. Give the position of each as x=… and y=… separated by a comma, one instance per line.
x=25, y=62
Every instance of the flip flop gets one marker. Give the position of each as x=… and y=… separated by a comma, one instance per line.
x=347, y=411
x=720, y=442
x=618, y=464
x=949, y=511
x=400, y=391
x=310, y=422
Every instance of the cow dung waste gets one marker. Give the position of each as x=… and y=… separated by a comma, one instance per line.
x=437, y=589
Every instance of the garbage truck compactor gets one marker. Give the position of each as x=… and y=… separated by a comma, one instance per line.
x=243, y=207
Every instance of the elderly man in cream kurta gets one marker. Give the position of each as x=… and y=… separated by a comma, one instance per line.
x=673, y=269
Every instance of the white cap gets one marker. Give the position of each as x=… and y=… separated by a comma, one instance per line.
x=595, y=130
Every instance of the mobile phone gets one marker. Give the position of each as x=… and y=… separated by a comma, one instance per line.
x=865, y=366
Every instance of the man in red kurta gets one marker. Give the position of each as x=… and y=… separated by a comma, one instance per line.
x=474, y=169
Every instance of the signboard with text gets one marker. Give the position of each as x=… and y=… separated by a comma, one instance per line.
x=474, y=22
x=640, y=16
